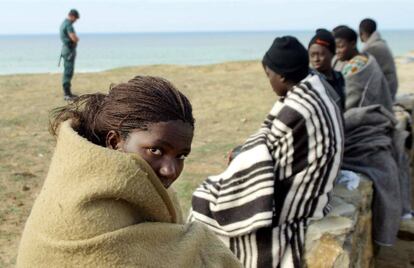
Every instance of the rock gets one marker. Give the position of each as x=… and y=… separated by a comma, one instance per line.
x=25, y=188
x=344, y=237
x=324, y=252
x=406, y=100
x=360, y=198
x=342, y=261
x=406, y=231
x=341, y=208
x=351, y=197
x=361, y=247
x=332, y=225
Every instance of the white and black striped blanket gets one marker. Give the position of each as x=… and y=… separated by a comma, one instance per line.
x=261, y=204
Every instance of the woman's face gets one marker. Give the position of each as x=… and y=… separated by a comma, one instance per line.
x=320, y=58
x=164, y=146
x=276, y=81
x=344, y=49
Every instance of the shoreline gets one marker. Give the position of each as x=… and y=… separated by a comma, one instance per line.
x=191, y=32
x=407, y=59
x=158, y=65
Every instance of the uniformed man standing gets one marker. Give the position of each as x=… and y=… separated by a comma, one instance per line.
x=70, y=41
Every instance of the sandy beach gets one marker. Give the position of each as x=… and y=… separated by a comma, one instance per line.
x=229, y=100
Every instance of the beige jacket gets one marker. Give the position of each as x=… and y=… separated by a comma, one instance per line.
x=104, y=208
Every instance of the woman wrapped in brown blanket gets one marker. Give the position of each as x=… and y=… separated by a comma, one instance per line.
x=107, y=200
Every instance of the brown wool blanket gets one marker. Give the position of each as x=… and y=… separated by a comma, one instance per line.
x=104, y=208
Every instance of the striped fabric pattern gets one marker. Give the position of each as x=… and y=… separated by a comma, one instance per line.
x=261, y=204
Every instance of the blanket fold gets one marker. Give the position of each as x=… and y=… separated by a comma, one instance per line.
x=104, y=208
x=370, y=149
x=377, y=47
x=367, y=87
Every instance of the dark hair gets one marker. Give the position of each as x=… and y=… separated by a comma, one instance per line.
x=334, y=30
x=367, y=26
x=346, y=33
x=134, y=105
x=74, y=12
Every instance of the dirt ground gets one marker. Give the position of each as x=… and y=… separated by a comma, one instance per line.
x=230, y=101
x=401, y=255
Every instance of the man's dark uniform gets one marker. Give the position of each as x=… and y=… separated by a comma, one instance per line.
x=68, y=54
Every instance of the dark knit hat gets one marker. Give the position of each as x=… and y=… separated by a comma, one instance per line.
x=324, y=38
x=287, y=57
x=74, y=13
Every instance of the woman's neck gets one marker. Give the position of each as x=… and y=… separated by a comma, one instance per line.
x=290, y=86
x=354, y=53
x=328, y=73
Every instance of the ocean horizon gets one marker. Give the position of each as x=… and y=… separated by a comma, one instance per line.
x=39, y=53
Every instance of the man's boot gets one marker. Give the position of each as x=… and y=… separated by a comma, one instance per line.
x=68, y=94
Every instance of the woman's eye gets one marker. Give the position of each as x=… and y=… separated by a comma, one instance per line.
x=155, y=151
x=182, y=157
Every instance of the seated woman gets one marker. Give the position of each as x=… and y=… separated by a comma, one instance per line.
x=107, y=200
x=262, y=203
x=321, y=51
x=337, y=64
x=365, y=84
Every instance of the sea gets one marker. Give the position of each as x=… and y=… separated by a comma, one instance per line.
x=21, y=54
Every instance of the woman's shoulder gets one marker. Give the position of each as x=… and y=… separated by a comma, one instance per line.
x=355, y=65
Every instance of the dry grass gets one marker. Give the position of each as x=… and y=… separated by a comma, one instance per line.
x=230, y=100
x=219, y=94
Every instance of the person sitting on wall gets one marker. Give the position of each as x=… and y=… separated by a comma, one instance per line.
x=365, y=84
x=337, y=64
x=377, y=47
x=321, y=50
x=260, y=206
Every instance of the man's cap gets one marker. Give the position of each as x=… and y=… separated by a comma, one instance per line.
x=74, y=13
x=324, y=38
x=287, y=56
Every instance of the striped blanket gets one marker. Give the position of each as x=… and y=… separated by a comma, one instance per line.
x=261, y=204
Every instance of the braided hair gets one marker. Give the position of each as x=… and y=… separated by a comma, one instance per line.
x=142, y=101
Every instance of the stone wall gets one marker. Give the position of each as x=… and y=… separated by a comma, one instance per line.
x=343, y=237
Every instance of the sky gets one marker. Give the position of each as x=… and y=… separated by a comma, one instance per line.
x=113, y=16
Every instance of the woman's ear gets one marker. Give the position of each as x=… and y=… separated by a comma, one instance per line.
x=282, y=79
x=265, y=70
x=114, y=140
x=354, y=44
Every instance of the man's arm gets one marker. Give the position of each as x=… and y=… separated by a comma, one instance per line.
x=74, y=38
